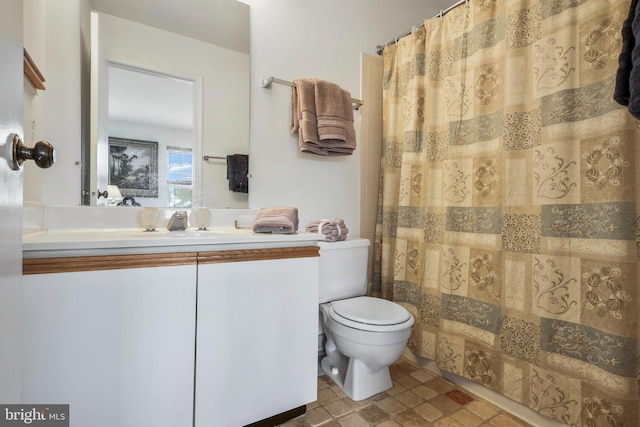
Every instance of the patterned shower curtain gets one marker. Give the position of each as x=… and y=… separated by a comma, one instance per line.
x=508, y=217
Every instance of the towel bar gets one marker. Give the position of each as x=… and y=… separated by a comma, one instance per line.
x=207, y=158
x=266, y=84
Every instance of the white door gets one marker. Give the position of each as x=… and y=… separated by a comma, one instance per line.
x=11, y=95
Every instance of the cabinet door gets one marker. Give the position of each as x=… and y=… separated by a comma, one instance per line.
x=256, y=340
x=116, y=345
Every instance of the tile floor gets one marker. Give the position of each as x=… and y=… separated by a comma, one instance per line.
x=418, y=399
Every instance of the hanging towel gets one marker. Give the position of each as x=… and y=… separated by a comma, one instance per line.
x=332, y=230
x=627, y=89
x=322, y=116
x=278, y=219
x=330, y=111
x=238, y=173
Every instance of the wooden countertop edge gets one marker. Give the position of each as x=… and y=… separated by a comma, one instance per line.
x=115, y=262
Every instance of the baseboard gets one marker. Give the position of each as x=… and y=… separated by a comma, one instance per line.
x=280, y=418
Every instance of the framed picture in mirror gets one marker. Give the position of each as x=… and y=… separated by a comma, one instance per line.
x=133, y=166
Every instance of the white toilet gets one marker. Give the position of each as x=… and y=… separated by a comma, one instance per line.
x=364, y=335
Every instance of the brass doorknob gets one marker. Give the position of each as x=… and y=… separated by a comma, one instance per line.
x=42, y=153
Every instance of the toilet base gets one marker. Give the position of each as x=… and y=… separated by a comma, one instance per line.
x=355, y=379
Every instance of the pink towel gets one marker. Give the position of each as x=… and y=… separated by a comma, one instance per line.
x=333, y=230
x=278, y=219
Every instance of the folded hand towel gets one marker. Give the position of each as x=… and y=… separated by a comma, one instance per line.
x=279, y=219
x=333, y=230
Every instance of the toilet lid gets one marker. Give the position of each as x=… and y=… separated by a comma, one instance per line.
x=372, y=311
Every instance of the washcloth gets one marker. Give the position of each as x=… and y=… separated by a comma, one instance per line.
x=627, y=89
x=332, y=230
x=278, y=219
x=322, y=116
x=238, y=173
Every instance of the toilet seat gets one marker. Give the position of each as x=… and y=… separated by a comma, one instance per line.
x=370, y=314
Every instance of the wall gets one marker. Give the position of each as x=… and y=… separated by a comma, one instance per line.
x=321, y=39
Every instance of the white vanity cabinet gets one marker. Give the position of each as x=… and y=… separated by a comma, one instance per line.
x=256, y=338
x=209, y=338
x=116, y=345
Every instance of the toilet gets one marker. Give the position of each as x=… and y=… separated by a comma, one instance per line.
x=363, y=335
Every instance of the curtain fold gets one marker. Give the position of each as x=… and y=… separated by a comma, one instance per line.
x=508, y=220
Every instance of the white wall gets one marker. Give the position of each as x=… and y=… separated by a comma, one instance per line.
x=316, y=39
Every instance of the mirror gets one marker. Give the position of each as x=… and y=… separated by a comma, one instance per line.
x=169, y=88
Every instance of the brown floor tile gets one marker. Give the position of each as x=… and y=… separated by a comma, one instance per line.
x=440, y=385
x=352, y=420
x=317, y=416
x=467, y=418
x=408, y=381
x=445, y=404
x=373, y=414
x=326, y=395
x=397, y=388
x=447, y=422
x=506, y=420
x=409, y=398
x=409, y=418
x=338, y=408
x=482, y=409
x=425, y=392
x=391, y=405
x=428, y=412
x=423, y=375
x=389, y=423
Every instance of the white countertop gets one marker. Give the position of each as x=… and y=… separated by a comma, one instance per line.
x=79, y=242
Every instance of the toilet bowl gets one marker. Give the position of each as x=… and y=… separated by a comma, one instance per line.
x=363, y=335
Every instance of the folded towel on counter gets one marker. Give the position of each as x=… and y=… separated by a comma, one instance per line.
x=238, y=173
x=333, y=230
x=322, y=116
x=278, y=219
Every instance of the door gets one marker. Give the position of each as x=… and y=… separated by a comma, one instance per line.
x=11, y=96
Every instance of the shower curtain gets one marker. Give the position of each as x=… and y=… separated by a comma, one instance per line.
x=508, y=214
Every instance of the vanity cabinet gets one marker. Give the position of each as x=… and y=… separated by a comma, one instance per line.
x=122, y=338
x=256, y=351
x=117, y=345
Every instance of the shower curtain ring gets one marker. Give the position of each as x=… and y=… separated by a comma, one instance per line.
x=441, y=13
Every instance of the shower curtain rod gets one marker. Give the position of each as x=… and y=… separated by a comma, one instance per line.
x=266, y=84
x=440, y=14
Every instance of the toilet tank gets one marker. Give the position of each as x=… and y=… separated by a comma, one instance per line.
x=343, y=269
